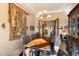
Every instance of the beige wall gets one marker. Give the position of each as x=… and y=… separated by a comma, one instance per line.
x=8, y=47
x=30, y=22
x=63, y=19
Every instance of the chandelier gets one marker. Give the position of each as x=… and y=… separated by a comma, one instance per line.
x=43, y=15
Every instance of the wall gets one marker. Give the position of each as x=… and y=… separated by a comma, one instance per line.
x=63, y=19
x=7, y=47
x=30, y=23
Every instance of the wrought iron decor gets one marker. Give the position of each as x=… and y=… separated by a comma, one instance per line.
x=17, y=19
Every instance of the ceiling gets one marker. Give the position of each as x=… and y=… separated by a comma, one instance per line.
x=51, y=7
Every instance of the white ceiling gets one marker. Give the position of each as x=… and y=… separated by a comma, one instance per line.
x=51, y=7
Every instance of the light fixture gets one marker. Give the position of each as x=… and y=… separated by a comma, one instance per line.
x=37, y=16
x=43, y=15
x=45, y=11
x=40, y=13
x=48, y=16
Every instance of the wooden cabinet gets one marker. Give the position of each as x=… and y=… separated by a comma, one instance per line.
x=73, y=29
x=73, y=22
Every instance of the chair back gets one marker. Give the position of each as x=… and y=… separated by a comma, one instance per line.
x=25, y=39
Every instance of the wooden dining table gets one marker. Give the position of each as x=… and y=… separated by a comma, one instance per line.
x=41, y=43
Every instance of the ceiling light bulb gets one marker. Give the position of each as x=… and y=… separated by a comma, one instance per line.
x=40, y=13
x=41, y=17
x=48, y=16
x=37, y=16
x=45, y=11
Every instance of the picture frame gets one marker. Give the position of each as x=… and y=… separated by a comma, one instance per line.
x=32, y=28
x=60, y=27
x=52, y=27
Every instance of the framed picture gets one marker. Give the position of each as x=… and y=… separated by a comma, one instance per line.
x=52, y=27
x=60, y=27
x=46, y=32
x=32, y=28
x=17, y=19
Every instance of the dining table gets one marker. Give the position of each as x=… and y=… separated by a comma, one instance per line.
x=41, y=43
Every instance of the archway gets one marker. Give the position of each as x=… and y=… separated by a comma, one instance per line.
x=53, y=24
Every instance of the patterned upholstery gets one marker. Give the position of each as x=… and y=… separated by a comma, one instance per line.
x=26, y=39
x=33, y=36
